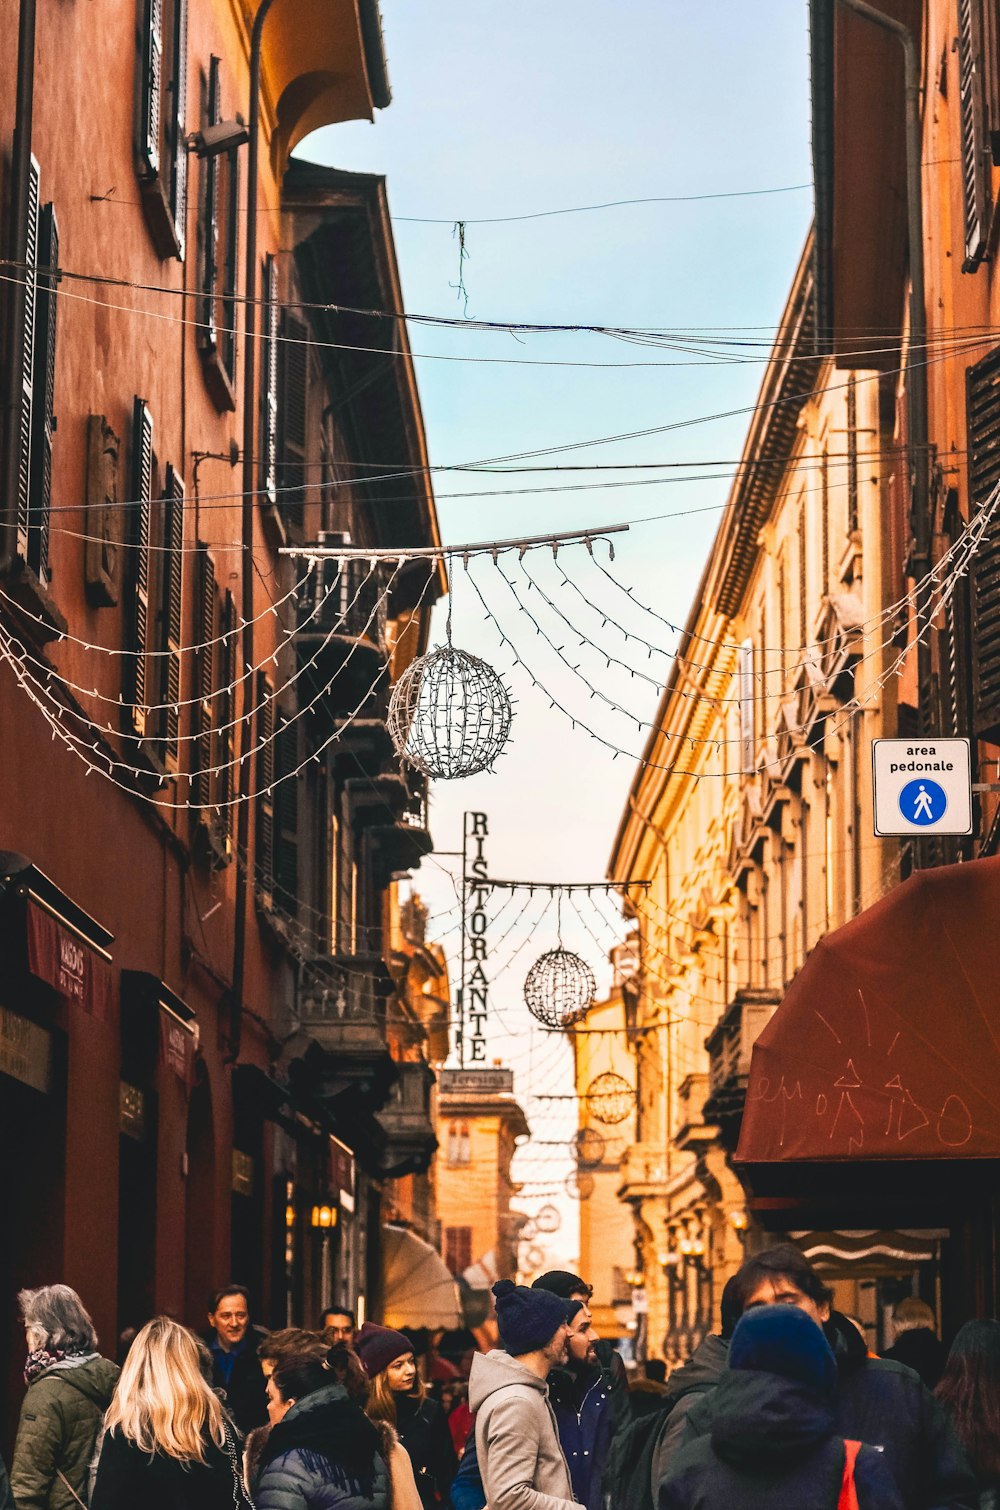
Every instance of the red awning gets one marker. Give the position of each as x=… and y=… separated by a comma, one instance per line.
x=887, y=1044
x=60, y=956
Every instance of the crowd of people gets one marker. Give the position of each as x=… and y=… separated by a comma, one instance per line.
x=786, y=1407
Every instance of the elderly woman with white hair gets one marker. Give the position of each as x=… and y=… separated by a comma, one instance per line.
x=69, y=1388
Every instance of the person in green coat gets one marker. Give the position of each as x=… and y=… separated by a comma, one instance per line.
x=6, y=1495
x=69, y=1387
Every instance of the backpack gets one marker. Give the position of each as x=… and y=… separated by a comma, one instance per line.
x=628, y=1475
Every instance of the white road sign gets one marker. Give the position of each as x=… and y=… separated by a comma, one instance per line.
x=922, y=786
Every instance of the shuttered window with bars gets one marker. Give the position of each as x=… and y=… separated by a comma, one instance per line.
x=264, y=832
x=270, y=315
x=974, y=136
x=218, y=227
x=161, y=121
x=983, y=441
x=293, y=408
x=137, y=694
x=36, y=400
x=852, y=453
x=286, y=811
x=170, y=615
x=214, y=734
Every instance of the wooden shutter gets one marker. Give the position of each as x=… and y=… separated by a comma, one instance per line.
x=983, y=440
x=852, y=453
x=229, y=268
x=137, y=609
x=990, y=20
x=173, y=581
x=150, y=88
x=265, y=786
x=975, y=176
x=206, y=677
x=43, y=398
x=178, y=126
x=226, y=744
x=269, y=383
x=208, y=335
x=292, y=411
x=25, y=399
x=824, y=485
x=286, y=807
x=803, y=583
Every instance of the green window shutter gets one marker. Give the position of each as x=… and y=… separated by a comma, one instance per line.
x=148, y=105
x=43, y=398
x=173, y=582
x=264, y=855
x=137, y=609
x=286, y=807
x=178, y=126
x=206, y=629
x=25, y=399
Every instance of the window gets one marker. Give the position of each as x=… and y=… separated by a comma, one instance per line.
x=982, y=419
x=154, y=574
x=747, y=700
x=161, y=116
x=852, y=453
x=269, y=382
x=803, y=585
x=824, y=485
x=36, y=422
x=215, y=734
x=457, y=1249
x=459, y=1145
x=972, y=123
x=276, y=846
x=293, y=408
x=218, y=228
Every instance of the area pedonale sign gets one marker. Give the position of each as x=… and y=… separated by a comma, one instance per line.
x=922, y=786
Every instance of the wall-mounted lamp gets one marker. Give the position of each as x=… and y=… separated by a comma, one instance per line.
x=324, y=1216
x=212, y=141
x=738, y=1220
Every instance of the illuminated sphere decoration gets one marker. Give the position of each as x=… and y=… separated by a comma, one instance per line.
x=610, y=1098
x=560, y=988
x=450, y=714
x=589, y=1146
x=579, y=1185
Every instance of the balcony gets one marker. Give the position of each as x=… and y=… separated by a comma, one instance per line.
x=340, y=660
x=400, y=846
x=406, y=1120
x=693, y=1131
x=643, y=1171
x=729, y=1047
x=342, y=1009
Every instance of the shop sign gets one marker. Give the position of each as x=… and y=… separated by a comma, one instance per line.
x=476, y=1082
x=342, y=1172
x=476, y=986
x=25, y=1051
x=177, y=1047
x=63, y=961
x=922, y=786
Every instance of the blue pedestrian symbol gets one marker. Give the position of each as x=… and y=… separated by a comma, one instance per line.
x=923, y=801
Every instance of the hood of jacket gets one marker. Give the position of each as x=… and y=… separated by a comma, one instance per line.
x=327, y=1423
x=704, y=1368
x=849, y=1347
x=493, y=1371
x=95, y=1380
x=760, y=1420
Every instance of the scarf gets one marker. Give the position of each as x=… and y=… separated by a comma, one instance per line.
x=41, y=1359
x=335, y=1439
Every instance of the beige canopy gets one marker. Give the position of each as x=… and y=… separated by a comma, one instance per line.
x=419, y=1290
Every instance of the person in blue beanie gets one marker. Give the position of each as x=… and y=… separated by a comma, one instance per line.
x=773, y=1441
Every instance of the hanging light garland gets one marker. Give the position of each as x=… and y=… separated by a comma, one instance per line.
x=609, y=1098
x=450, y=712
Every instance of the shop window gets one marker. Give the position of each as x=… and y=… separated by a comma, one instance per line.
x=161, y=115
x=218, y=223
x=457, y=1249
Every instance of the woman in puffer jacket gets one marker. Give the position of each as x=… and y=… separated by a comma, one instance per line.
x=321, y=1452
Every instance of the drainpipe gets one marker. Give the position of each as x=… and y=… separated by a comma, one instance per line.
x=916, y=356
x=248, y=502
x=20, y=180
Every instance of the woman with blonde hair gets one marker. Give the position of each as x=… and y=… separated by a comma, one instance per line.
x=399, y=1397
x=168, y=1443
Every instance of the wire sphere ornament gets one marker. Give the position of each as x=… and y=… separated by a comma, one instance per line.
x=609, y=1098
x=560, y=988
x=579, y=1185
x=548, y=1220
x=589, y=1146
x=450, y=714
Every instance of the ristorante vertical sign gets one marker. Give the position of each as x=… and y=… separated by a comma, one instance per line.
x=475, y=981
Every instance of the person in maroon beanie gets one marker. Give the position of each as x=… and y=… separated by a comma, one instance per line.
x=399, y=1397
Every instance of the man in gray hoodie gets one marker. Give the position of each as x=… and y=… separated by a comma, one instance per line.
x=517, y=1444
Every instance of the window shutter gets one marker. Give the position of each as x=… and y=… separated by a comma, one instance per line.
x=178, y=126
x=173, y=579
x=983, y=441
x=208, y=335
x=990, y=13
x=227, y=708
x=206, y=677
x=286, y=807
x=150, y=88
x=958, y=660
x=265, y=785
x=803, y=584
x=824, y=485
x=138, y=607
x=292, y=411
x=25, y=399
x=269, y=383
x=230, y=266
x=852, y=453
x=975, y=181
x=44, y=395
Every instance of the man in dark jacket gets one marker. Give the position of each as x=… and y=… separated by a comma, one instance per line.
x=916, y=1343
x=773, y=1442
x=236, y=1368
x=689, y=1383
x=878, y=1402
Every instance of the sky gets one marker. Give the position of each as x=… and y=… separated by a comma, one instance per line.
x=511, y=110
